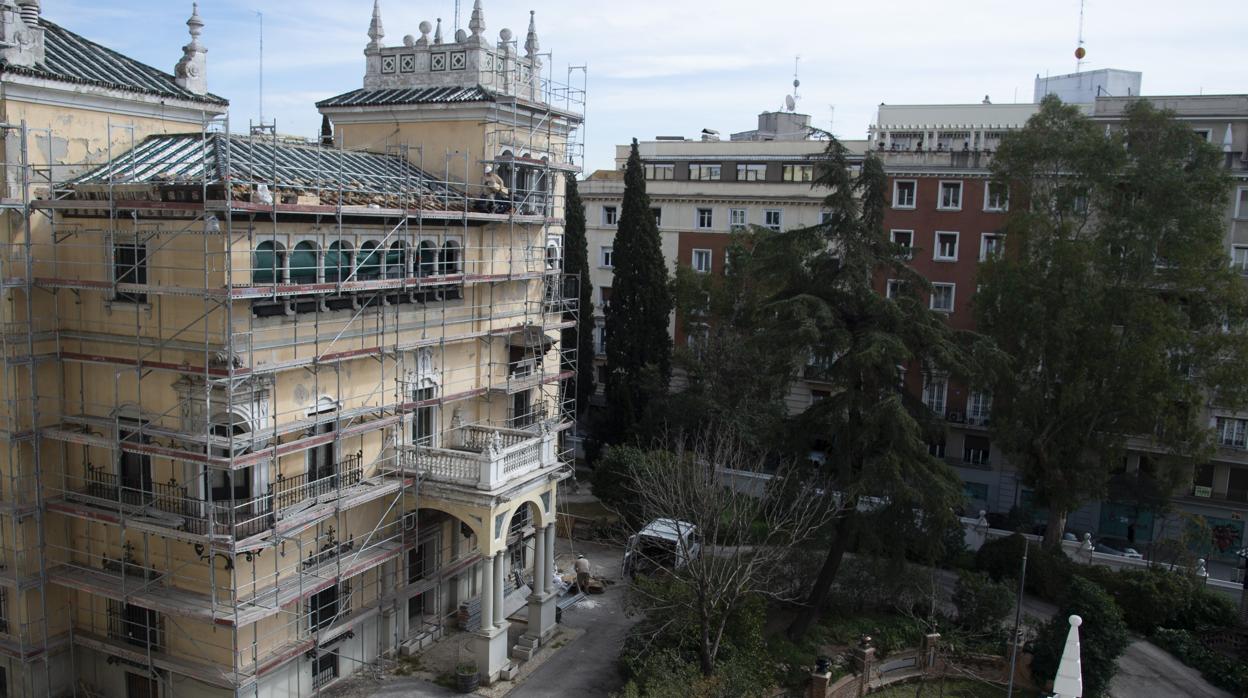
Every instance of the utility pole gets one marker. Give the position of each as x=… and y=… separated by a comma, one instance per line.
x=1018, y=619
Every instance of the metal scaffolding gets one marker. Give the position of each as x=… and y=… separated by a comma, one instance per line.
x=296, y=335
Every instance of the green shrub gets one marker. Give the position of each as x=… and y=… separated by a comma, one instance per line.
x=982, y=603
x=1219, y=670
x=611, y=477
x=1102, y=637
x=1209, y=609
x=1048, y=571
x=1157, y=598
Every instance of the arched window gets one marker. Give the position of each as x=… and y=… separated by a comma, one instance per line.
x=369, y=262
x=552, y=256
x=338, y=262
x=304, y=262
x=268, y=262
x=450, y=258
x=396, y=261
x=428, y=258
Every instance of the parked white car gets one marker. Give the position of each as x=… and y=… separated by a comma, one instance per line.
x=664, y=544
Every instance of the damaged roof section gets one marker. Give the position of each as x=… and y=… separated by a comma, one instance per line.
x=259, y=167
x=69, y=57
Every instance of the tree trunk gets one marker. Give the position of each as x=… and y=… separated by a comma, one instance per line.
x=827, y=574
x=704, y=654
x=1055, y=528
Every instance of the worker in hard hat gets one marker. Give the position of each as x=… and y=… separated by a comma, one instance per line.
x=496, y=190
x=582, y=573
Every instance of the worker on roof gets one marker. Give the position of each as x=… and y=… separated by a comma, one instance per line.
x=496, y=190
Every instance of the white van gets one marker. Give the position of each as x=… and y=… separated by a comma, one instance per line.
x=664, y=544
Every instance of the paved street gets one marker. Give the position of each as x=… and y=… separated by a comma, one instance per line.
x=1147, y=671
x=587, y=667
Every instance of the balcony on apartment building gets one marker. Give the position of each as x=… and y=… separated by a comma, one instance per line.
x=484, y=458
x=225, y=511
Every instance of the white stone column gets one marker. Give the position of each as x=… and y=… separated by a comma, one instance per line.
x=487, y=594
x=549, y=532
x=499, y=578
x=540, y=564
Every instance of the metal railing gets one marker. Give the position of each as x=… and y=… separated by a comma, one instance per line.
x=294, y=490
x=136, y=625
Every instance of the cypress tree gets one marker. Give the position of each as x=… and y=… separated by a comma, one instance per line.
x=639, y=347
x=576, y=264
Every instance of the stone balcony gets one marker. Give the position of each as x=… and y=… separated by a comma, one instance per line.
x=485, y=458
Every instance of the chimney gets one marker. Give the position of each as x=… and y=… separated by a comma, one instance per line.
x=191, y=72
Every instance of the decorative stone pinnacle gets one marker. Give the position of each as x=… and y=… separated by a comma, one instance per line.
x=375, y=31
x=437, y=33
x=477, y=23
x=191, y=70
x=531, y=45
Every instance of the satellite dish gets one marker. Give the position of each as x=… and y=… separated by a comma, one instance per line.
x=790, y=102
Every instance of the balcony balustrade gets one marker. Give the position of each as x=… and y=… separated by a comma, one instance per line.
x=486, y=459
x=240, y=517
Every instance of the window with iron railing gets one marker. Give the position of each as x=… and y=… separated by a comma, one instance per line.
x=327, y=606
x=324, y=669
x=979, y=408
x=935, y=389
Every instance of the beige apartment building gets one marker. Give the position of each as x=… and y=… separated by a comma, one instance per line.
x=275, y=407
x=703, y=190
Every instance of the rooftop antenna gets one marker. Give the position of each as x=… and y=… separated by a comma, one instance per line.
x=1079, y=50
x=260, y=90
x=456, y=15
x=791, y=100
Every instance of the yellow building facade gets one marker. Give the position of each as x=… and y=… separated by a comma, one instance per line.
x=277, y=408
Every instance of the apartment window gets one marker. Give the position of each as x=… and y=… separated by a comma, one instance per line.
x=658, y=216
x=996, y=197
x=979, y=408
x=606, y=258
x=610, y=215
x=660, y=172
x=135, y=625
x=936, y=448
x=737, y=218
x=604, y=297
x=824, y=217
x=322, y=608
x=1232, y=432
x=942, y=297
x=424, y=422
x=1241, y=204
x=975, y=450
x=904, y=193
x=139, y=686
x=1239, y=259
x=603, y=373
x=946, y=247
x=894, y=288
x=819, y=395
x=704, y=172
x=799, y=173
x=751, y=173
x=130, y=267
x=600, y=340
x=950, y=196
x=903, y=238
x=991, y=245
x=702, y=261
x=324, y=669
x=773, y=218
x=1205, y=134
x=705, y=218
x=935, y=390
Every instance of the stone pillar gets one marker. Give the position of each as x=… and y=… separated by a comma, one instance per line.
x=487, y=594
x=549, y=532
x=490, y=642
x=499, y=580
x=541, y=567
x=864, y=663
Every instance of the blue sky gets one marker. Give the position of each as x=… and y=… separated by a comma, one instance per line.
x=659, y=67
